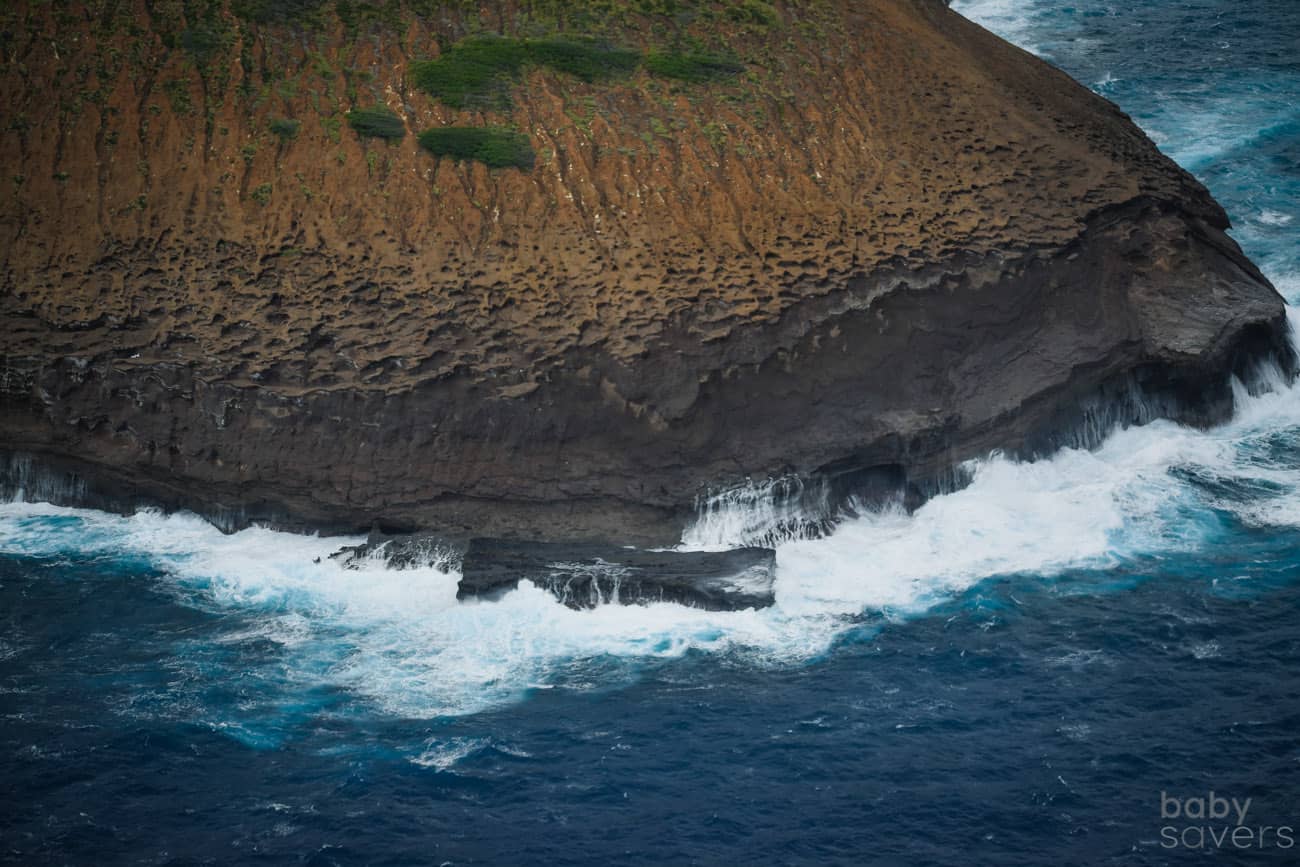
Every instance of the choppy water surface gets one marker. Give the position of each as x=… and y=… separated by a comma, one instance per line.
x=1013, y=674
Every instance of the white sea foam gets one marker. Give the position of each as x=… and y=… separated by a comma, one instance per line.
x=1013, y=20
x=1106, y=83
x=1195, y=127
x=757, y=513
x=398, y=638
x=444, y=755
x=401, y=641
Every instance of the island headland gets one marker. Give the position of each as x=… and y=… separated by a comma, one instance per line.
x=562, y=271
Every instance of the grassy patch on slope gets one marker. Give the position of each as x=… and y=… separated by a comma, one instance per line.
x=377, y=122
x=478, y=71
x=496, y=147
x=692, y=66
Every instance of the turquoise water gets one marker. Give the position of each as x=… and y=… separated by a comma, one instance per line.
x=1014, y=673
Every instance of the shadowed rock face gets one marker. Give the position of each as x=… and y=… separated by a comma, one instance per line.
x=587, y=575
x=908, y=243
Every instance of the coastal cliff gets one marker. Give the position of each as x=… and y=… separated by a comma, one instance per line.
x=846, y=242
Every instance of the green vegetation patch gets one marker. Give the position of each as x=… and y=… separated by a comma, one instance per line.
x=205, y=41
x=478, y=71
x=692, y=66
x=754, y=12
x=496, y=147
x=587, y=59
x=377, y=122
x=285, y=128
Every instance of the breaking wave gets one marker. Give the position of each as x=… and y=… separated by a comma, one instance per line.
x=399, y=641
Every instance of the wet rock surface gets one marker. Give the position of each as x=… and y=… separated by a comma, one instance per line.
x=409, y=551
x=587, y=575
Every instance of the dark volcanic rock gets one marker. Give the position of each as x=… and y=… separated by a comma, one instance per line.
x=586, y=575
x=405, y=551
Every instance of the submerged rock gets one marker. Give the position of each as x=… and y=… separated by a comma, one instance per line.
x=586, y=575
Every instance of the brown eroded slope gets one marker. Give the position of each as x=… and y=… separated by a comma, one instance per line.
x=893, y=241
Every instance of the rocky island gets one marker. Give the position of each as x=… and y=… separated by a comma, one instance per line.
x=557, y=270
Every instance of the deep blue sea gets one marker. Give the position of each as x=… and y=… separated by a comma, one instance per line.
x=1039, y=669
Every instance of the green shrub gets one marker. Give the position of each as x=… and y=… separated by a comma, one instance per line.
x=473, y=71
x=178, y=93
x=754, y=12
x=377, y=122
x=587, y=59
x=286, y=128
x=261, y=194
x=333, y=128
x=496, y=147
x=692, y=66
x=478, y=71
x=204, y=41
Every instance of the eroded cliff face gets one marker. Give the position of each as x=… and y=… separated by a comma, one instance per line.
x=893, y=242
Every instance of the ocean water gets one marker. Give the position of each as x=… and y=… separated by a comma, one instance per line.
x=1036, y=669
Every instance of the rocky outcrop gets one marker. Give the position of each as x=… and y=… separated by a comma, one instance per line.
x=404, y=551
x=588, y=575
x=894, y=243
